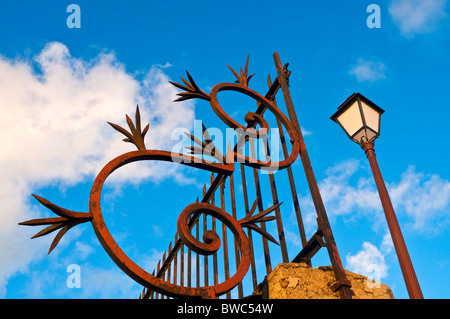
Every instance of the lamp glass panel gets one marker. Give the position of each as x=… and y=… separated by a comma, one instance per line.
x=351, y=119
x=371, y=116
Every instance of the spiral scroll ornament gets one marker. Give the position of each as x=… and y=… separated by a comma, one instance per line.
x=210, y=242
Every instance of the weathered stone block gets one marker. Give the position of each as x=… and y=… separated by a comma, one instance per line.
x=300, y=281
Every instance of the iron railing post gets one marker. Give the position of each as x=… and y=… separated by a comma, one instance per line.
x=342, y=283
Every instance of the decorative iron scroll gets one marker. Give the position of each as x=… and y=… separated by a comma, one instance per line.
x=211, y=241
x=224, y=167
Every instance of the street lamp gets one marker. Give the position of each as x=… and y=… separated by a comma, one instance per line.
x=360, y=119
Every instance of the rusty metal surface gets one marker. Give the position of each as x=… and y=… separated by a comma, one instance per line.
x=409, y=275
x=322, y=219
x=192, y=234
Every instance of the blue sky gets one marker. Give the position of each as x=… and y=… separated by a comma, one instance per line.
x=59, y=86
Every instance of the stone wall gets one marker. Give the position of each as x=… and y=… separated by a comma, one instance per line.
x=300, y=281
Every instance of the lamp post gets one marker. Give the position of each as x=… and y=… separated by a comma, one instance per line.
x=360, y=119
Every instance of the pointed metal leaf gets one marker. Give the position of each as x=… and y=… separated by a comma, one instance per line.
x=195, y=150
x=121, y=130
x=197, y=89
x=261, y=232
x=138, y=120
x=189, y=85
x=131, y=125
x=235, y=73
x=145, y=130
x=255, y=203
x=195, y=139
x=61, y=211
x=43, y=221
x=185, y=96
x=48, y=230
x=248, y=79
x=246, y=65
x=264, y=212
x=58, y=238
x=206, y=135
x=182, y=87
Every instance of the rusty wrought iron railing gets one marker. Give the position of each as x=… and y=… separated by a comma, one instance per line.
x=182, y=266
x=211, y=255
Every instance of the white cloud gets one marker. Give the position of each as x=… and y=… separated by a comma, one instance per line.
x=54, y=111
x=417, y=16
x=366, y=70
x=424, y=197
x=83, y=250
x=103, y=283
x=157, y=231
x=387, y=246
x=95, y=282
x=420, y=200
x=369, y=262
x=341, y=197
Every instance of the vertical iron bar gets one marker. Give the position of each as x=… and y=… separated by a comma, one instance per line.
x=260, y=209
x=205, y=257
x=169, y=270
x=175, y=263
x=236, y=248
x=158, y=267
x=164, y=274
x=273, y=188
x=189, y=270
x=152, y=293
x=249, y=233
x=294, y=195
x=213, y=221
x=182, y=265
x=224, y=237
x=197, y=256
